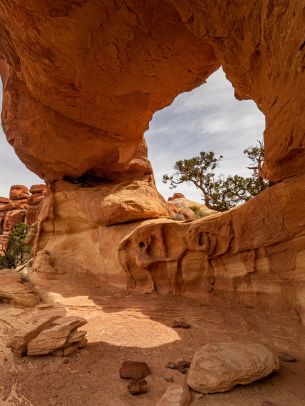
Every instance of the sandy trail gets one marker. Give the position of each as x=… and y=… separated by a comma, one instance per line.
x=133, y=327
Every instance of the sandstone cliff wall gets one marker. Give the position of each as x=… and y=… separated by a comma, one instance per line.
x=82, y=80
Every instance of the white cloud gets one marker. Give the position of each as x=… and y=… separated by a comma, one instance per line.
x=208, y=118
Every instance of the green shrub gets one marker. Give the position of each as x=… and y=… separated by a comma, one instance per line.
x=197, y=210
x=17, y=252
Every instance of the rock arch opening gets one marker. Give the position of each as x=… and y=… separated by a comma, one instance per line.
x=208, y=118
x=79, y=104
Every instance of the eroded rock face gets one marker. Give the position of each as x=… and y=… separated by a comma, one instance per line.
x=22, y=206
x=81, y=82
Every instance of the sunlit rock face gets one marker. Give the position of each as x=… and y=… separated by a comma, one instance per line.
x=82, y=80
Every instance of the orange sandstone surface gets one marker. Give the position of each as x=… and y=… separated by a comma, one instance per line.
x=82, y=80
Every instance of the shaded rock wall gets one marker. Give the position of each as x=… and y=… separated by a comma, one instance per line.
x=82, y=80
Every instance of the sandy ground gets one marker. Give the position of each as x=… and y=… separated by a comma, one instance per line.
x=125, y=326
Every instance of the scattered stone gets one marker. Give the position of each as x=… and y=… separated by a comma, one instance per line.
x=134, y=370
x=49, y=332
x=171, y=365
x=14, y=290
x=182, y=366
x=219, y=367
x=136, y=387
x=175, y=395
x=284, y=356
x=168, y=379
x=181, y=324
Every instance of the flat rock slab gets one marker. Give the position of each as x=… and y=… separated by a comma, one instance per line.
x=219, y=367
x=47, y=331
x=14, y=290
x=175, y=395
x=134, y=370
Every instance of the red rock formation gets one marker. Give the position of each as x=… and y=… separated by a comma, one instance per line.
x=81, y=81
x=176, y=196
x=22, y=206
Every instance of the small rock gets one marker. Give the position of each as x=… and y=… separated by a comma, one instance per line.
x=134, y=370
x=219, y=367
x=66, y=361
x=181, y=324
x=267, y=403
x=175, y=395
x=180, y=365
x=168, y=379
x=136, y=387
x=284, y=356
x=171, y=365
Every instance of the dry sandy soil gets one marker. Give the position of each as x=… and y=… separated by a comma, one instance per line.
x=124, y=326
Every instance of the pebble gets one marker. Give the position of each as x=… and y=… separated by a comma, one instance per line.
x=181, y=324
x=138, y=387
x=284, y=356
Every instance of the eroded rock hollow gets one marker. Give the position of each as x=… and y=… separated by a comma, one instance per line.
x=82, y=79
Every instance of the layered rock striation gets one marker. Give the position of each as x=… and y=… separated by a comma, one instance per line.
x=82, y=80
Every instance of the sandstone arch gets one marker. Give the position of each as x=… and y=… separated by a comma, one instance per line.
x=82, y=79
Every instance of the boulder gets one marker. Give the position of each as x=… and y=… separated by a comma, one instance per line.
x=134, y=370
x=219, y=367
x=49, y=332
x=175, y=395
x=38, y=189
x=19, y=192
x=133, y=201
x=60, y=334
x=14, y=290
x=34, y=323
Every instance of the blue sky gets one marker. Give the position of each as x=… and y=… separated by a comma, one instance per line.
x=207, y=118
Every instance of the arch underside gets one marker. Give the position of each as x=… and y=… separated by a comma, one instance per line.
x=82, y=80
